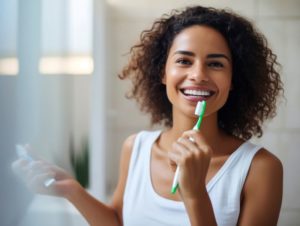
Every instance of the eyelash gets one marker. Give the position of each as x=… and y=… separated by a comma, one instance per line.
x=216, y=64
x=183, y=61
x=213, y=64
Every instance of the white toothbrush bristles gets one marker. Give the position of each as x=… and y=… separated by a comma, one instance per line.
x=199, y=108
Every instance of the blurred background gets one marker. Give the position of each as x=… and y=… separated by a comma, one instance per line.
x=59, y=91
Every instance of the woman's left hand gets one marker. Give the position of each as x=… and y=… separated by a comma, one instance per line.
x=192, y=154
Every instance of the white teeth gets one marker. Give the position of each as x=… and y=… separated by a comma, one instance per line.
x=196, y=92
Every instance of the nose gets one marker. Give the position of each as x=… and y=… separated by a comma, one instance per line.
x=198, y=73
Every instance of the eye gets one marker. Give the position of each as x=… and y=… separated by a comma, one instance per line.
x=215, y=64
x=183, y=61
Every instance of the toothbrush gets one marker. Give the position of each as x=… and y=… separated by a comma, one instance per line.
x=200, y=109
x=22, y=153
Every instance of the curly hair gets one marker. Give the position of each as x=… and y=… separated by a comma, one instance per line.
x=255, y=78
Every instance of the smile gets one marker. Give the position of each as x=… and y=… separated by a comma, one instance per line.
x=197, y=94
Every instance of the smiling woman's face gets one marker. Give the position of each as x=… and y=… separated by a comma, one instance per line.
x=199, y=67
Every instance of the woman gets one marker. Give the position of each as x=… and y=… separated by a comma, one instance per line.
x=189, y=56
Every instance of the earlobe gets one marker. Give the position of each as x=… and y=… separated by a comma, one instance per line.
x=163, y=80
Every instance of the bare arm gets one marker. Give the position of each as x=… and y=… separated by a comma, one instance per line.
x=96, y=212
x=262, y=194
x=200, y=210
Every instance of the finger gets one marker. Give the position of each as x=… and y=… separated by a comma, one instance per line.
x=31, y=152
x=189, y=144
x=192, y=139
x=39, y=166
x=191, y=134
x=180, y=154
x=18, y=167
x=19, y=163
x=174, y=158
x=37, y=182
x=176, y=155
x=199, y=139
x=61, y=174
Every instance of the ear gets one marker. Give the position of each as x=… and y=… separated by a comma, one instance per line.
x=163, y=80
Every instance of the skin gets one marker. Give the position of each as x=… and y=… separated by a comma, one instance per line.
x=199, y=58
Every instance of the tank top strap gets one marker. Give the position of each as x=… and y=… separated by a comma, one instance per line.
x=240, y=160
x=247, y=155
x=145, y=139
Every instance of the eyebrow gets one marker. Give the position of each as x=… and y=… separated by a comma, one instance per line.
x=218, y=55
x=213, y=55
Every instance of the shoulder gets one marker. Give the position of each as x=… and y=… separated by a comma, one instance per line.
x=262, y=192
x=130, y=141
x=265, y=170
x=265, y=162
x=265, y=167
x=126, y=152
x=128, y=144
x=117, y=199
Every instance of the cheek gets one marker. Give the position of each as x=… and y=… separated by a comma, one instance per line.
x=223, y=81
x=172, y=72
x=224, y=86
x=172, y=77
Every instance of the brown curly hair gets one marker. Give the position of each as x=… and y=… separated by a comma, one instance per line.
x=256, y=81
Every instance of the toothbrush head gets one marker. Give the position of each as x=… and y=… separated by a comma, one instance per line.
x=200, y=108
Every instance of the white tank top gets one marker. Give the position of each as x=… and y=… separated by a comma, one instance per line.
x=143, y=206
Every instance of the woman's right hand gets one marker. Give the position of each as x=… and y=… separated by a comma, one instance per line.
x=192, y=154
x=35, y=173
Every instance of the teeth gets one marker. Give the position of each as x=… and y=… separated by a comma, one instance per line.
x=196, y=92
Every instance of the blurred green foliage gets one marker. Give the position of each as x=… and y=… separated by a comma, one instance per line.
x=80, y=163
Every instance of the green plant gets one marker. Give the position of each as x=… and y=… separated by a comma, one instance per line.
x=80, y=163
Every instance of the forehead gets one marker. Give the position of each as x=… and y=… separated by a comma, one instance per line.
x=200, y=38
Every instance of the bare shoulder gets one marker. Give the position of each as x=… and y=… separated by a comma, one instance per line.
x=262, y=192
x=265, y=161
x=128, y=145
x=266, y=170
x=117, y=200
x=125, y=157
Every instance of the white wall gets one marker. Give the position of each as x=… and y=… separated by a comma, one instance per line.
x=279, y=21
x=281, y=24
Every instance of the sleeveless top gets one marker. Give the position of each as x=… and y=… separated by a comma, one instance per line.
x=143, y=206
